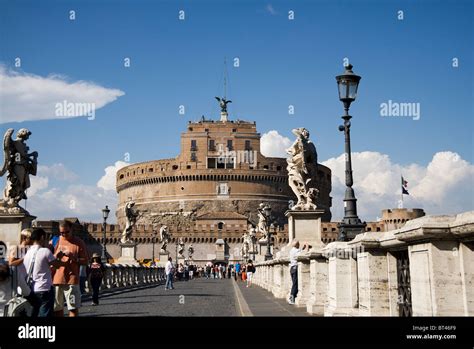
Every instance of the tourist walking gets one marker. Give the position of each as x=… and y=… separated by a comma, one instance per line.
x=250, y=273
x=208, y=271
x=169, y=271
x=96, y=275
x=237, y=271
x=72, y=252
x=38, y=262
x=293, y=255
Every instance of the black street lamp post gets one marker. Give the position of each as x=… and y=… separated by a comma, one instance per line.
x=153, y=237
x=105, y=215
x=351, y=225
x=267, y=211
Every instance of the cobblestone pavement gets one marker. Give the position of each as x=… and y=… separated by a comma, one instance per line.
x=198, y=297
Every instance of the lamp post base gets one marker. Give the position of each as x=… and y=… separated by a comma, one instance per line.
x=348, y=229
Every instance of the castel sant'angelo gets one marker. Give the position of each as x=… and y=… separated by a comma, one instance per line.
x=213, y=188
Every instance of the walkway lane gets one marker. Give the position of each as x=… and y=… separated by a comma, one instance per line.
x=262, y=303
x=199, y=297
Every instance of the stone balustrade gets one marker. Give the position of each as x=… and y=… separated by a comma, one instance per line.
x=126, y=276
x=425, y=268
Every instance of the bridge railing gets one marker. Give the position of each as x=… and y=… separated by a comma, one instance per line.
x=126, y=276
x=425, y=268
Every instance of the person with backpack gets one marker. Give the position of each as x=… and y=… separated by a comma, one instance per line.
x=38, y=262
x=250, y=272
x=96, y=275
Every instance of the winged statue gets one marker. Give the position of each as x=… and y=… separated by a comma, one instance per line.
x=18, y=165
x=223, y=104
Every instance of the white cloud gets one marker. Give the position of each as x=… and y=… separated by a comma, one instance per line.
x=26, y=96
x=270, y=9
x=38, y=183
x=273, y=144
x=57, y=171
x=107, y=182
x=444, y=186
x=72, y=200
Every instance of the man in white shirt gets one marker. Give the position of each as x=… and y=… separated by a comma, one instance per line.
x=293, y=255
x=42, y=297
x=169, y=271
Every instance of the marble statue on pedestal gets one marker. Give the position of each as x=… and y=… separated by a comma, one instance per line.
x=190, y=251
x=18, y=164
x=181, y=248
x=245, y=248
x=262, y=222
x=164, y=238
x=302, y=168
x=131, y=214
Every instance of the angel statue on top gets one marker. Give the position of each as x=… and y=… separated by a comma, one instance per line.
x=18, y=164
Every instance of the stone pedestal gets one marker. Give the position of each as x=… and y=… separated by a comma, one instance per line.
x=304, y=226
x=342, y=279
x=303, y=280
x=318, y=288
x=163, y=259
x=128, y=254
x=220, y=251
x=181, y=260
x=11, y=226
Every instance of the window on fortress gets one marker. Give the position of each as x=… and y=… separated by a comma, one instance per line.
x=121, y=176
x=193, y=157
x=230, y=145
x=175, y=167
x=193, y=145
x=211, y=162
x=212, y=145
x=150, y=170
x=247, y=145
x=220, y=225
x=278, y=168
x=265, y=167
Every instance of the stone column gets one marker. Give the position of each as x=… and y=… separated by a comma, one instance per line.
x=372, y=272
x=342, y=288
x=466, y=253
x=392, y=284
x=303, y=280
x=318, y=284
x=436, y=283
x=278, y=280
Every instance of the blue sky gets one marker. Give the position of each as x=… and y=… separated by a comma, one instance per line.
x=282, y=63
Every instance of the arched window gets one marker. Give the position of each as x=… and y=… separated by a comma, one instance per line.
x=220, y=225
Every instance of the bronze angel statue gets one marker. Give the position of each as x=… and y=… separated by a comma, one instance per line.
x=223, y=104
x=18, y=164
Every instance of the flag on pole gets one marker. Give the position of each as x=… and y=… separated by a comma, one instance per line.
x=405, y=187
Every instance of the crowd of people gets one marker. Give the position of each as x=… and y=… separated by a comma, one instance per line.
x=50, y=275
x=46, y=275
